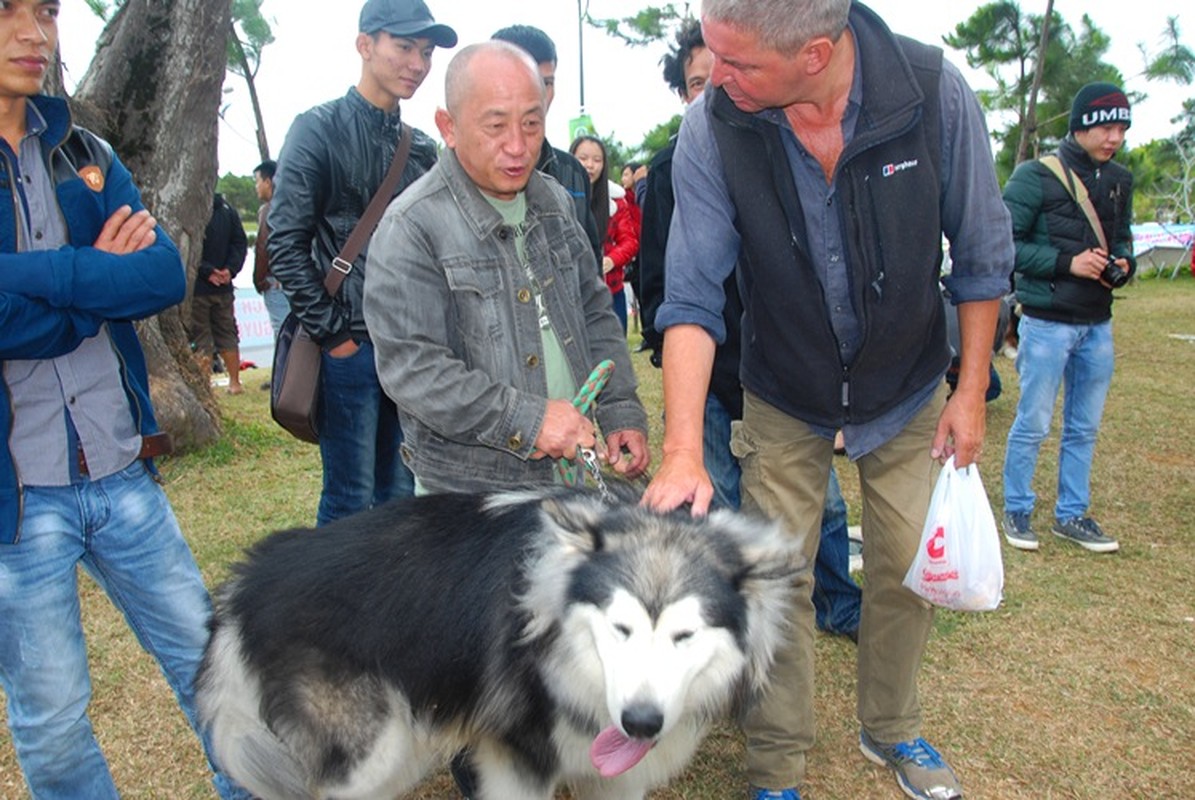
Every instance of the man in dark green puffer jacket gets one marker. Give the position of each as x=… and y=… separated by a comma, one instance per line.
x=1067, y=265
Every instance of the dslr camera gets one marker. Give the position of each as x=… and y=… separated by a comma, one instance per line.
x=1113, y=275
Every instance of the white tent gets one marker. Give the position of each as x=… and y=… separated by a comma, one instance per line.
x=1160, y=247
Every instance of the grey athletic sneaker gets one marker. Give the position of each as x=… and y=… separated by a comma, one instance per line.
x=1017, y=531
x=921, y=772
x=1085, y=532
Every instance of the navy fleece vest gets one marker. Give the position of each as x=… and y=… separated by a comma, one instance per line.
x=889, y=184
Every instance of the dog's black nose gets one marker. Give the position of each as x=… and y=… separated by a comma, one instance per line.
x=642, y=721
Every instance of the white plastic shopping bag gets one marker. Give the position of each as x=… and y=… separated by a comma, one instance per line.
x=958, y=563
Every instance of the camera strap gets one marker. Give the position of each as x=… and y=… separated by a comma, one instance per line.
x=1078, y=193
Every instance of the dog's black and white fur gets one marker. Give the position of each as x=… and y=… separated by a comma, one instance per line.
x=559, y=638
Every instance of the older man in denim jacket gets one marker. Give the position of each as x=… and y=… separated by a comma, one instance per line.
x=484, y=301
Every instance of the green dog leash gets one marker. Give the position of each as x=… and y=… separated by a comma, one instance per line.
x=583, y=402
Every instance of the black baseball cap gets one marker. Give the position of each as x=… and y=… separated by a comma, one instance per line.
x=405, y=18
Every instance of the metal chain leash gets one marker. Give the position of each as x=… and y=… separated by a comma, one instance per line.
x=589, y=456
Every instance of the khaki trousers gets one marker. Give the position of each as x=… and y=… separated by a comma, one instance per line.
x=786, y=467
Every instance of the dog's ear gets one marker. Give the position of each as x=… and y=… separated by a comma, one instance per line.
x=777, y=559
x=767, y=550
x=575, y=519
x=769, y=562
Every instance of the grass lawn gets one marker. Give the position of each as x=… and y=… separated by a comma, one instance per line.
x=1079, y=686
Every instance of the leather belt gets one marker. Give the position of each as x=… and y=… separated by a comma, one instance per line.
x=152, y=446
x=156, y=444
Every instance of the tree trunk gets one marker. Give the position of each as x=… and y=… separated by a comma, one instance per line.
x=263, y=146
x=153, y=91
x=1029, y=123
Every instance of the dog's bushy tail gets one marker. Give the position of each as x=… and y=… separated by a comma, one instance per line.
x=265, y=766
x=228, y=700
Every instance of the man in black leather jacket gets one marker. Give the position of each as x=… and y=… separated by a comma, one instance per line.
x=334, y=159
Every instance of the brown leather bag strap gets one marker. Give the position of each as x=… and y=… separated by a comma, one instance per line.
x=342, y=265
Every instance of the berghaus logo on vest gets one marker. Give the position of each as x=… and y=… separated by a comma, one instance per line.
x=888, y=170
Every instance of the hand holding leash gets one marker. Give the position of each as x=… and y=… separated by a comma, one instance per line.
x=562, y=430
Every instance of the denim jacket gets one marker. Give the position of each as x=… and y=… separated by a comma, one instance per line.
x=456, y=331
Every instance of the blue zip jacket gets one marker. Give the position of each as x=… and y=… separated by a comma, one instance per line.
x=52, y=300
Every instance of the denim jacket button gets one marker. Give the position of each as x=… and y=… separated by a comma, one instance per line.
x=524, y=295
x=532, y=361
x=515, y=441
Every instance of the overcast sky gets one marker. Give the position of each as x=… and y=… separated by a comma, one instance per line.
x=313, y=59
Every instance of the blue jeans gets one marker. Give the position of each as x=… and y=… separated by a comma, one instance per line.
x=619, y=299
x=359, y=438
x=277, y=306
x=720, y=463
x=1079, y=358
x=837, y=599
x=122, y=531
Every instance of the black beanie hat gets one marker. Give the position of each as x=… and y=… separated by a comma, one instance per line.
x=1099, y=104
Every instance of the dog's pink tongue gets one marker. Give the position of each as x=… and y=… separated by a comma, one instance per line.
x=613, y=753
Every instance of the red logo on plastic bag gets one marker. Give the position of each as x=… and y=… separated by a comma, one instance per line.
x=935, y=548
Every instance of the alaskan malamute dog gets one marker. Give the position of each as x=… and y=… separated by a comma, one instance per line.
x=558, y=638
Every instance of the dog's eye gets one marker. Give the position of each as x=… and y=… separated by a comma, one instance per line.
x=623, y=630
x=681, y=637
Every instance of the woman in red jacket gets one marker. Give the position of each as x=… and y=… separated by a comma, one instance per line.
x=617, y=220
